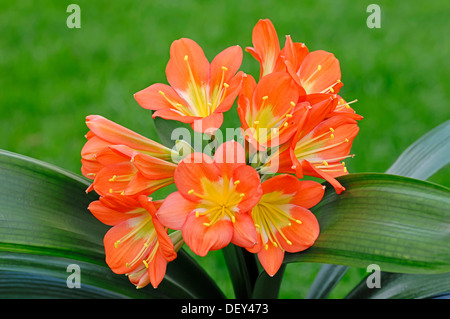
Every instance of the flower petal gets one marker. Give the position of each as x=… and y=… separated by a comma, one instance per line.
x=174, y=210
x=319, y=72
x=302, y=236
x=266, y=46
x=113, y=209
x=244, y=234
x=271, y=259
x=123, y=247
x=288, y=189
x=201, y=239
x=250, y=186
x=190, y=173
x=228, y=157
x=187, y=67
x=208, y=124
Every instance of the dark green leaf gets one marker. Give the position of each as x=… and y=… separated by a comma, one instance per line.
x=267, y=287
x=401, y=224
x=327, y=278
x=403, y=286
x=243, y=270
x=425, y=156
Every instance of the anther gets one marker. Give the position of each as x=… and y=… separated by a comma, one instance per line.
x=237, y=182
x=145, y=263
x=206, y=224
x=224, y=68
x=319, y=67
x=265, y=97
x=226, y=85
x=186, y=58
x=298, y=221
x=190, y=191
x=197, y=214
x=325, y=163
x=241, y=194
x=346, y=140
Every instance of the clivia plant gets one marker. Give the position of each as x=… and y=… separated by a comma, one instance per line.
x=276, y=192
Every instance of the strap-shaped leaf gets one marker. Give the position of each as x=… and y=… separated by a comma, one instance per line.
x=420, y=160
x=426, y=156
x=45, y=226
x=399, y=223
x=403, y=286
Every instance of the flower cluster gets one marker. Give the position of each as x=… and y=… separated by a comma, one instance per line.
x=293, y=115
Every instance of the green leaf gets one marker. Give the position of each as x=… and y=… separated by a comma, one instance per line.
x=420, y=160
x=267, y=287
x=45, y=226
x=403, y=286
x=243, y=270
x=399, y=223
x=324, y=282
x=425, y=156
x=164, y=128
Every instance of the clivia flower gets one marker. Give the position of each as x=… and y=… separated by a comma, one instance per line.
x=138, y=244
x=320, y=145
x=320, y=151
x=199, y=91
x=213, y=200
x=314, y=72
x=283, y=221
x=122, y=161
x=268, y=109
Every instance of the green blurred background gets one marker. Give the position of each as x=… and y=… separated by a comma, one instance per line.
x=53, y=76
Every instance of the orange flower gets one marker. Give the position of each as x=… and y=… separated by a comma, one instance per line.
x=122, y=161
x=212, y=201
x=199, y=91
x=283, y=221
x=268, y=110
x=323, y=140
x=137, y=244
x=318, y=72
x=320, y=151
x=266, y=48
x=314, y=72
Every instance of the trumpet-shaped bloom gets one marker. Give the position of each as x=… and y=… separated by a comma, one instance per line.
x=320, y=151
x=283, y=221
x=266, y=48
x=314, y=72
x=268, y=110
x=122, y=161
x=318, y=72
x=137, y=244
x=323, y=140
x=199, y=91
x=213, y=199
